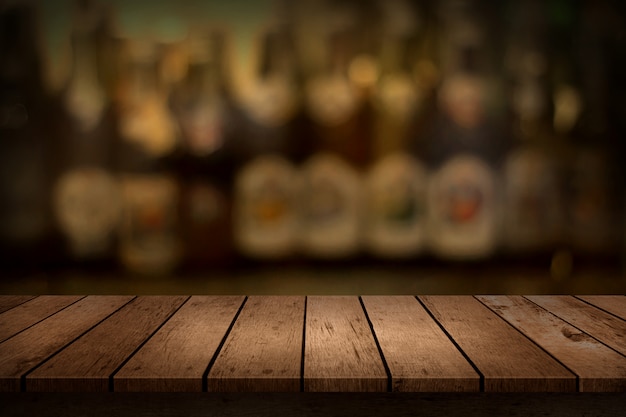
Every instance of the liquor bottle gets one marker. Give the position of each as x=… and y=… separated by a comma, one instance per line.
x=204, y=107
x=332, y=192
x=533, y=202
x=149, y=142
x=25, y=215
x=464, y=149
x=592, y=192
x=271, y=146
x=86, y=195
x=396, y=182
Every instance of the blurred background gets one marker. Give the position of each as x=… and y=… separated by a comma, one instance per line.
x=312, y=147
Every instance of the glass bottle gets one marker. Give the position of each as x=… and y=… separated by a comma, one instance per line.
x=86, y=194
x=270, y=150
x=150, y=244
x=204, y=107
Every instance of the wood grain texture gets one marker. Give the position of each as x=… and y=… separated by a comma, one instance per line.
x=263, y=351
x=605, y=327
x=175, y=358
x=507, y=359
x=25, y=315
x=87, y=364
x=24, y=351
x=420, y=357
x=7, y=302
x=598, y=367
x=614, y=304
x=340, y=350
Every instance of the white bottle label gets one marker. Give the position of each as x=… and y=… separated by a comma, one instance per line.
x=148, y=122
x=462, y=211
x=149, y=242
x=331, y=208
x=532, y=212
x=265, y=207
x=87, y=205
x=202, y=126
x=331, y=99
x=272, y=102
x=396, y=189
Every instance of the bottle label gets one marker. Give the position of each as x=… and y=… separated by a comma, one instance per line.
x=332, y=100
x=462, y=211
x=87, y=207
x=463, y=99
x=332, y=203
x=149, y=229
x=265, y=212
x=148, y=122
x=396, y=189
x=85, y=101
x=273, y=101
x=202, y=126
x=532, y=213
x=398, y=95
x=206, y=205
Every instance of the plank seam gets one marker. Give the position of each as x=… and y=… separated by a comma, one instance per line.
x=380, y=350
x=125, y=361
x=23, y=377
x=598, y=307
x=481, y=382
x=303, y=346
x=535, y=343
x=32, y=297
x=205, y=374
x=576, y=327
x=39, y=321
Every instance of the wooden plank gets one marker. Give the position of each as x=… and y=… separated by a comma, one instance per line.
x=614, y=304
x=605, y=327
x=7, y=302
x=175, y=358
x=507, y=359
x=420, y=357
x=29, y=348
x=263, y=351
x=340, y=350
x=598, y=367
x=31, y=312
x=87, y=364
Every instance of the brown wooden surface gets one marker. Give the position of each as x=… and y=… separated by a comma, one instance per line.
x=374, y=343
x=7, y=302
x=419, y=355
x=340, y=350
x=614, y=304
x=24, y=315
x=598, y=367
x=87, y=364
x=176, y=357
x=605, y=327
x=263, y=351
x=24, y=351
x=507, y=360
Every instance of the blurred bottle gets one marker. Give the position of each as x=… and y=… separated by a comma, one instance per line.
x=149, y=144
x=25, y=143
x=204, y=108
x=465, y=147
x=332, y=193
x=397, y=181
x=593, y=188
x=271, y=146
x=86, y=195
x=533, y=202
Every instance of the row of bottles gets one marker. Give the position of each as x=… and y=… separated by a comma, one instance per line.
x=408, y=144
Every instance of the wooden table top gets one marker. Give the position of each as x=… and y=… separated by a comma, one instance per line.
x=313, y=344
